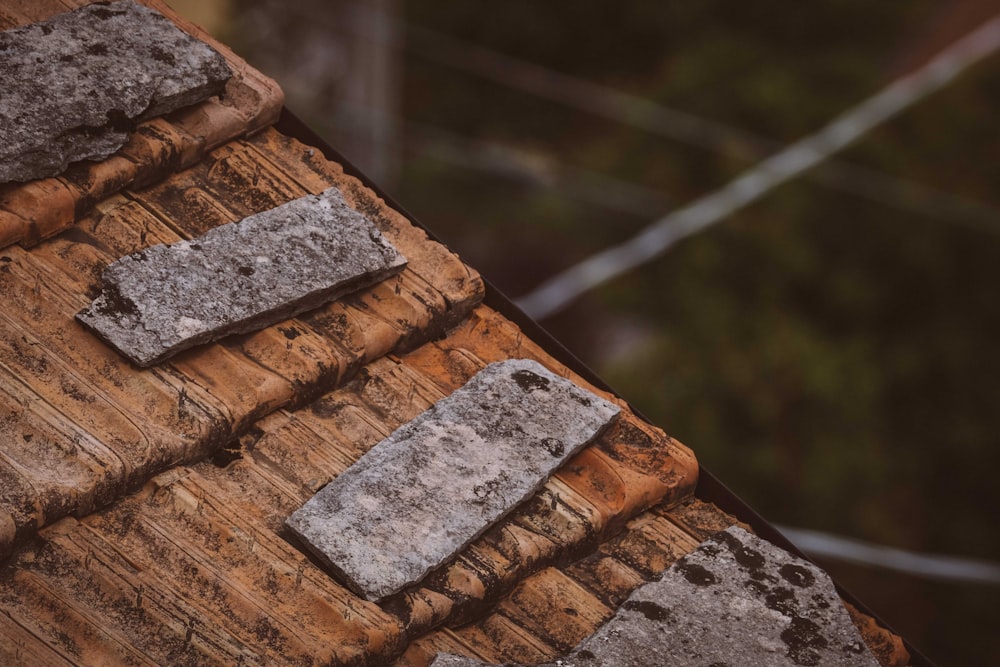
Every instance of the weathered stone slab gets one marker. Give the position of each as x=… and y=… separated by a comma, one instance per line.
x=434, y=485
x=238, y=277
x=74, y=85
x=735, y=600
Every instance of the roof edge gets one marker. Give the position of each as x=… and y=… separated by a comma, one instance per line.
x=709, y=489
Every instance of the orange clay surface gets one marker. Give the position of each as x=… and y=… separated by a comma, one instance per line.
x=30, y=212
x=141, y=511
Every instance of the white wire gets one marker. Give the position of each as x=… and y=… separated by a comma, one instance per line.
x=649, y=116
x=753, y=184
x=565, y=287
x=933, y=566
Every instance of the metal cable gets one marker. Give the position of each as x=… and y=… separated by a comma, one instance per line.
x=565, y=287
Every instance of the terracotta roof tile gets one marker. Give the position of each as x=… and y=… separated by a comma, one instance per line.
x=130, y=423
x=75, y=84
x=38, y=209
x=229, y=439
x=736, y=599
x=529, y=628
x=206, y=548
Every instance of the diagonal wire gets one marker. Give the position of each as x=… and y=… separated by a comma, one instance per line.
x=568, y=90
x=654, y=118
x=583, y=185
x=612, y=193
x=643, y=114
x=520, y=166
x=565, y=287
x=651, y=117
x=931, y=566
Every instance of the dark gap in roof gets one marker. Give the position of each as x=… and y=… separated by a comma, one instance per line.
x=236, y=448
x=226, y=455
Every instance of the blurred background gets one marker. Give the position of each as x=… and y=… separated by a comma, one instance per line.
x=830, y=352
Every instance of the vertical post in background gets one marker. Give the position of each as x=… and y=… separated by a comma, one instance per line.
x=370, y=86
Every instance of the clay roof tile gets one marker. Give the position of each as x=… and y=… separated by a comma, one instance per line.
x=142, y=511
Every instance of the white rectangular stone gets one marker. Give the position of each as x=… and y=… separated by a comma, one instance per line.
x=436, y=483
x=73, y=87
x=735, y=600
x=239, y=277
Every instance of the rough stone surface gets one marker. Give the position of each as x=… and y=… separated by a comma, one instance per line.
x=735, y=600
x=74, y=85
x=449, y=660
x=436, y=483
x=239, y=277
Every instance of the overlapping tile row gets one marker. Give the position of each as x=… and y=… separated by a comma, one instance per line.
x=198, y=568
x=39, y=209
x=735, y=599
x=552, y=611
x=588, y=499
x=238, y=278
x=183, y=574
x=76, y=84
x=80, y=425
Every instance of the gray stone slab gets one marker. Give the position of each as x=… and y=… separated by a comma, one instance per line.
x=735, y=600
x=450, y=660
x=74, y=85
x=239, y=277
x=436, y=483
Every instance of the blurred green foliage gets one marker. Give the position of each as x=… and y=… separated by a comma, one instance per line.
x=832, y=359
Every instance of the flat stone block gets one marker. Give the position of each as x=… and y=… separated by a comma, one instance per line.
x=238, y=277
x=417, y=498
x=76, y=84
x=735, y=600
